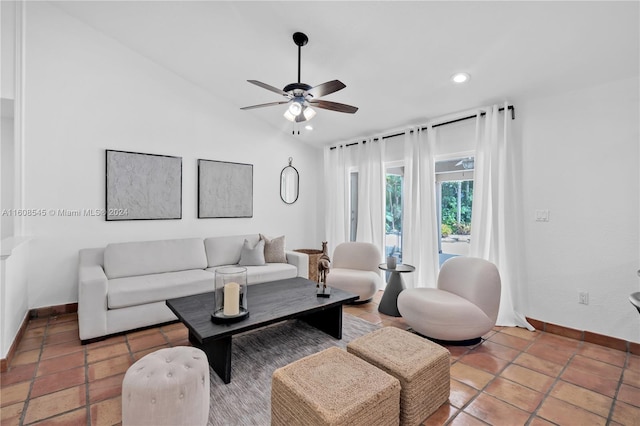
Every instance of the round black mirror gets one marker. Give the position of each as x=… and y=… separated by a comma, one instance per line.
x=289, y=183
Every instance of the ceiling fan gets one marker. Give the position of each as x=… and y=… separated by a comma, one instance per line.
x=466, y=163
x=301, y=97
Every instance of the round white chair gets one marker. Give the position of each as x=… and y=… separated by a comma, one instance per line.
x=463, y=307
x=354, y=268
x=167, y=387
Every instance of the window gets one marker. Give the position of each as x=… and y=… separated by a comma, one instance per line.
x=454, y=192
x=393, y=212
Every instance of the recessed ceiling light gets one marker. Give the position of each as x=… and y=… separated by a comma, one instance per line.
x=460, y=77
x=308, y=127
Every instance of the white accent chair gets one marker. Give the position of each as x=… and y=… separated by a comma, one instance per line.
x=354, y=268
x=462, y=308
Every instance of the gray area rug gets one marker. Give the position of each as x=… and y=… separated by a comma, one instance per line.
x=257, y=354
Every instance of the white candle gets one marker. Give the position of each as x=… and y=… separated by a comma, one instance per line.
x=231, y=299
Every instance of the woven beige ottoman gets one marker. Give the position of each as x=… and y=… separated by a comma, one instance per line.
x=167, y=387
x=421, y=366
x=333, y=387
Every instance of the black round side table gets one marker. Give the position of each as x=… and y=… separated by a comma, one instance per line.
x=389, y=303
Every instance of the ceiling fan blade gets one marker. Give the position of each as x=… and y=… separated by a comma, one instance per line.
x=269, y=87
x=326, y=88
x=334, y=106
x=265, y=105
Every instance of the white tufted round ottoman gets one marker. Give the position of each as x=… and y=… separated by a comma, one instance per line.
x=167, y=387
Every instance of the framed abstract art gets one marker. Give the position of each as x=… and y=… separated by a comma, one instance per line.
x=143, y=186
x=225, y=189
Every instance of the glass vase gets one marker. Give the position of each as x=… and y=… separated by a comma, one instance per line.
x=230, y=295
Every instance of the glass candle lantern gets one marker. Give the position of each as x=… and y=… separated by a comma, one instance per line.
x=230, y=295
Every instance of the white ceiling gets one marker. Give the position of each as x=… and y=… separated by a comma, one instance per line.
x=396, y=58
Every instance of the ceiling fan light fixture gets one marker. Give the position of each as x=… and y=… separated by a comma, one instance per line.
x=461, y=77
x=309, y=113
x=295, y=108
x=288, y=115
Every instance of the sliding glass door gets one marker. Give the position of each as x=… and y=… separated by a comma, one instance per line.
x=393, y=212
x=454, y=192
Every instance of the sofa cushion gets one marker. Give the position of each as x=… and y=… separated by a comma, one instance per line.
x=268, y=272
x=131, y=291
x=153, y=257
x=252, y=255
x=226, y=250
x=274, y=249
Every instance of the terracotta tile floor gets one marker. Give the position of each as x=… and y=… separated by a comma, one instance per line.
x=515, y=377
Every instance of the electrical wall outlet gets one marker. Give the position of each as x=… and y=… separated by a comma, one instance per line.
x=583, y=298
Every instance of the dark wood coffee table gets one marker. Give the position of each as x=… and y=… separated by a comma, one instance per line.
x=268, y=303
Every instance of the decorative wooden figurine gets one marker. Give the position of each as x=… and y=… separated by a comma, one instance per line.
x=324, y=266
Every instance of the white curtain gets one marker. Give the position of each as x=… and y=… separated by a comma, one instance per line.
x=336, y=195
x=371, y=193
x=495, y=227
x=419, y=222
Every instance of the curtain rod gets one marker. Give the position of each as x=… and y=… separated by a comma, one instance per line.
x=510, y=108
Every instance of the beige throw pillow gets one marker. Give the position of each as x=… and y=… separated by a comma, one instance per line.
x=274, y=249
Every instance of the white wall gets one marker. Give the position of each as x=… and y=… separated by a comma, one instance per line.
x=581, y=153
x=6, y=172
x=86, y=93
x=13, y=255
x=13, y=290
x=7, y=57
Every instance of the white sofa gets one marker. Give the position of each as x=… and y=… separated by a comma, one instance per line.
x=124, y=286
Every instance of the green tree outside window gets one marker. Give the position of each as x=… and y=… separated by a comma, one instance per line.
x=457, y=198
x=393, y=205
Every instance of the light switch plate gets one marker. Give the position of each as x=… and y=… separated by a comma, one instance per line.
x=542, y=215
